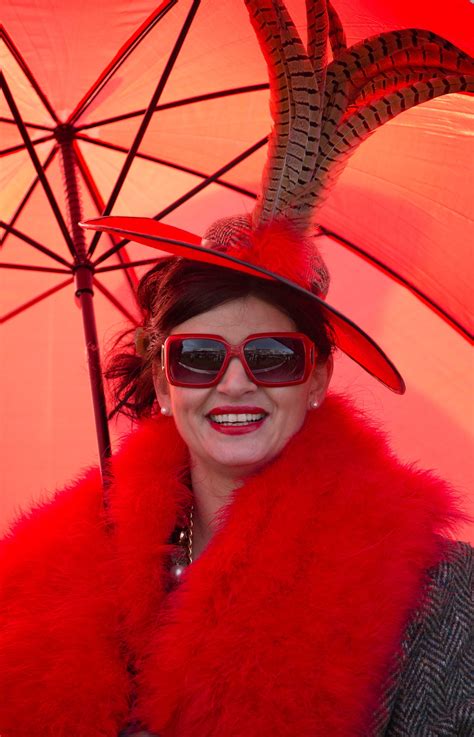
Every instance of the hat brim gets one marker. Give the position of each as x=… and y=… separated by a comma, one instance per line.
x=350, y=338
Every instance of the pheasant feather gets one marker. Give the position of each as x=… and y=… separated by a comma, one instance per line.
x=295, y=102
x=318, y=30
x=362, y=88
x=391, y=80
x=359, y=65
x=337, y=37
x=323, y=111
x=364, y=121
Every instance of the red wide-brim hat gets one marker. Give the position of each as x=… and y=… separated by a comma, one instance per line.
x=348, y=336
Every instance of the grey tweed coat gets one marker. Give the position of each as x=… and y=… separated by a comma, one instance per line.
x=432, y=694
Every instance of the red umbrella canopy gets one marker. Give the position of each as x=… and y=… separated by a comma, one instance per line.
x=398, y=222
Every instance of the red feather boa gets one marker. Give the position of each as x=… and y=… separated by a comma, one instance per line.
x=286, y=625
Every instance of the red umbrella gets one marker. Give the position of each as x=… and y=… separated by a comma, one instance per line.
x=163, y=112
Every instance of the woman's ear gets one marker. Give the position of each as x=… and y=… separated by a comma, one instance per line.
x=161, y=387
x=320, y=382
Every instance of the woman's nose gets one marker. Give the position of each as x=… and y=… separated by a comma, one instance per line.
x=235, y=380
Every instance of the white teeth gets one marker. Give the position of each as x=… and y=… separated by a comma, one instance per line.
x=236, y=419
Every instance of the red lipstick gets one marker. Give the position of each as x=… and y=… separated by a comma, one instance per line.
x=237, y=409
x=233, y=427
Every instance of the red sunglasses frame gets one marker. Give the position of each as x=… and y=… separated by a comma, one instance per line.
x=238, y=352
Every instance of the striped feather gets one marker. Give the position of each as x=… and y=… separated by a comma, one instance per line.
x=337, y=37
x=294, y=106
x=366, y=120
x=389, y=50
x=345, y=85
x=336, y=100
x=274, y=176
x=303, y=139
x=392, y=80
x=437, y=61
x=318, y=30
x=322, y=112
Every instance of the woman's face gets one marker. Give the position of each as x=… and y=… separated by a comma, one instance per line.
x=213, y=446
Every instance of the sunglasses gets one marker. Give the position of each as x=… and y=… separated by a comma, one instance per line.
x=269, y=359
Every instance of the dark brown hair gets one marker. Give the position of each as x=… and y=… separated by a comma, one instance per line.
x=174, y=291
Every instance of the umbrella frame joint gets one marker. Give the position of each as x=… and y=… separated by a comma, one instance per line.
x=84, y=278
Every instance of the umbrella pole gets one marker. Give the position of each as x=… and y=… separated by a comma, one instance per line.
x=84, y=278
x=85, y=295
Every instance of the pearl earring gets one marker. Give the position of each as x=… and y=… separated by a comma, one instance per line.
x=165, y=411
x=314, y=404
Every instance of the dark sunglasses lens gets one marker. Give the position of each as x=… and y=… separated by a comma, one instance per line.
x=195, y=360
x=276, y=360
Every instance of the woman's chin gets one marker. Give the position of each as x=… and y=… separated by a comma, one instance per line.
x=242, y=462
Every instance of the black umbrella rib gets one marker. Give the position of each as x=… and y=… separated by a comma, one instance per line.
x=35, y=300
x=28, y=73
x=27, y=196
x=35, y=126
x=401, y=280
x=23, y=267
x=22, y=146
x=36, y=163
x=165, y=162
x=128, y=265
x=35, y=244
x=179, y=103
x=115, y=302
x=148, y=115
x=184, y=198
x=212, y=178
x=120, y=58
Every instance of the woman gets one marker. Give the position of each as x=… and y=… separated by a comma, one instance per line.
x=265, y=566
x=312, y=549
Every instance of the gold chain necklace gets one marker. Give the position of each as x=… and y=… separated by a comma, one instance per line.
x=181, y=560
x=190, y=535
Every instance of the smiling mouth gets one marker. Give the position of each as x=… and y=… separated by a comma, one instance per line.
x=237, y=420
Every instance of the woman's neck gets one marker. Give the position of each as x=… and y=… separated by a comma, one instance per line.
x=212, y=492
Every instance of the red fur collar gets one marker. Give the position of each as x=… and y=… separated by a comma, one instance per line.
x=285, y=626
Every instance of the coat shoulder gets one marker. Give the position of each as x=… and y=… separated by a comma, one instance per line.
x=451, y=581
x=446, y=619
x=434, y=689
